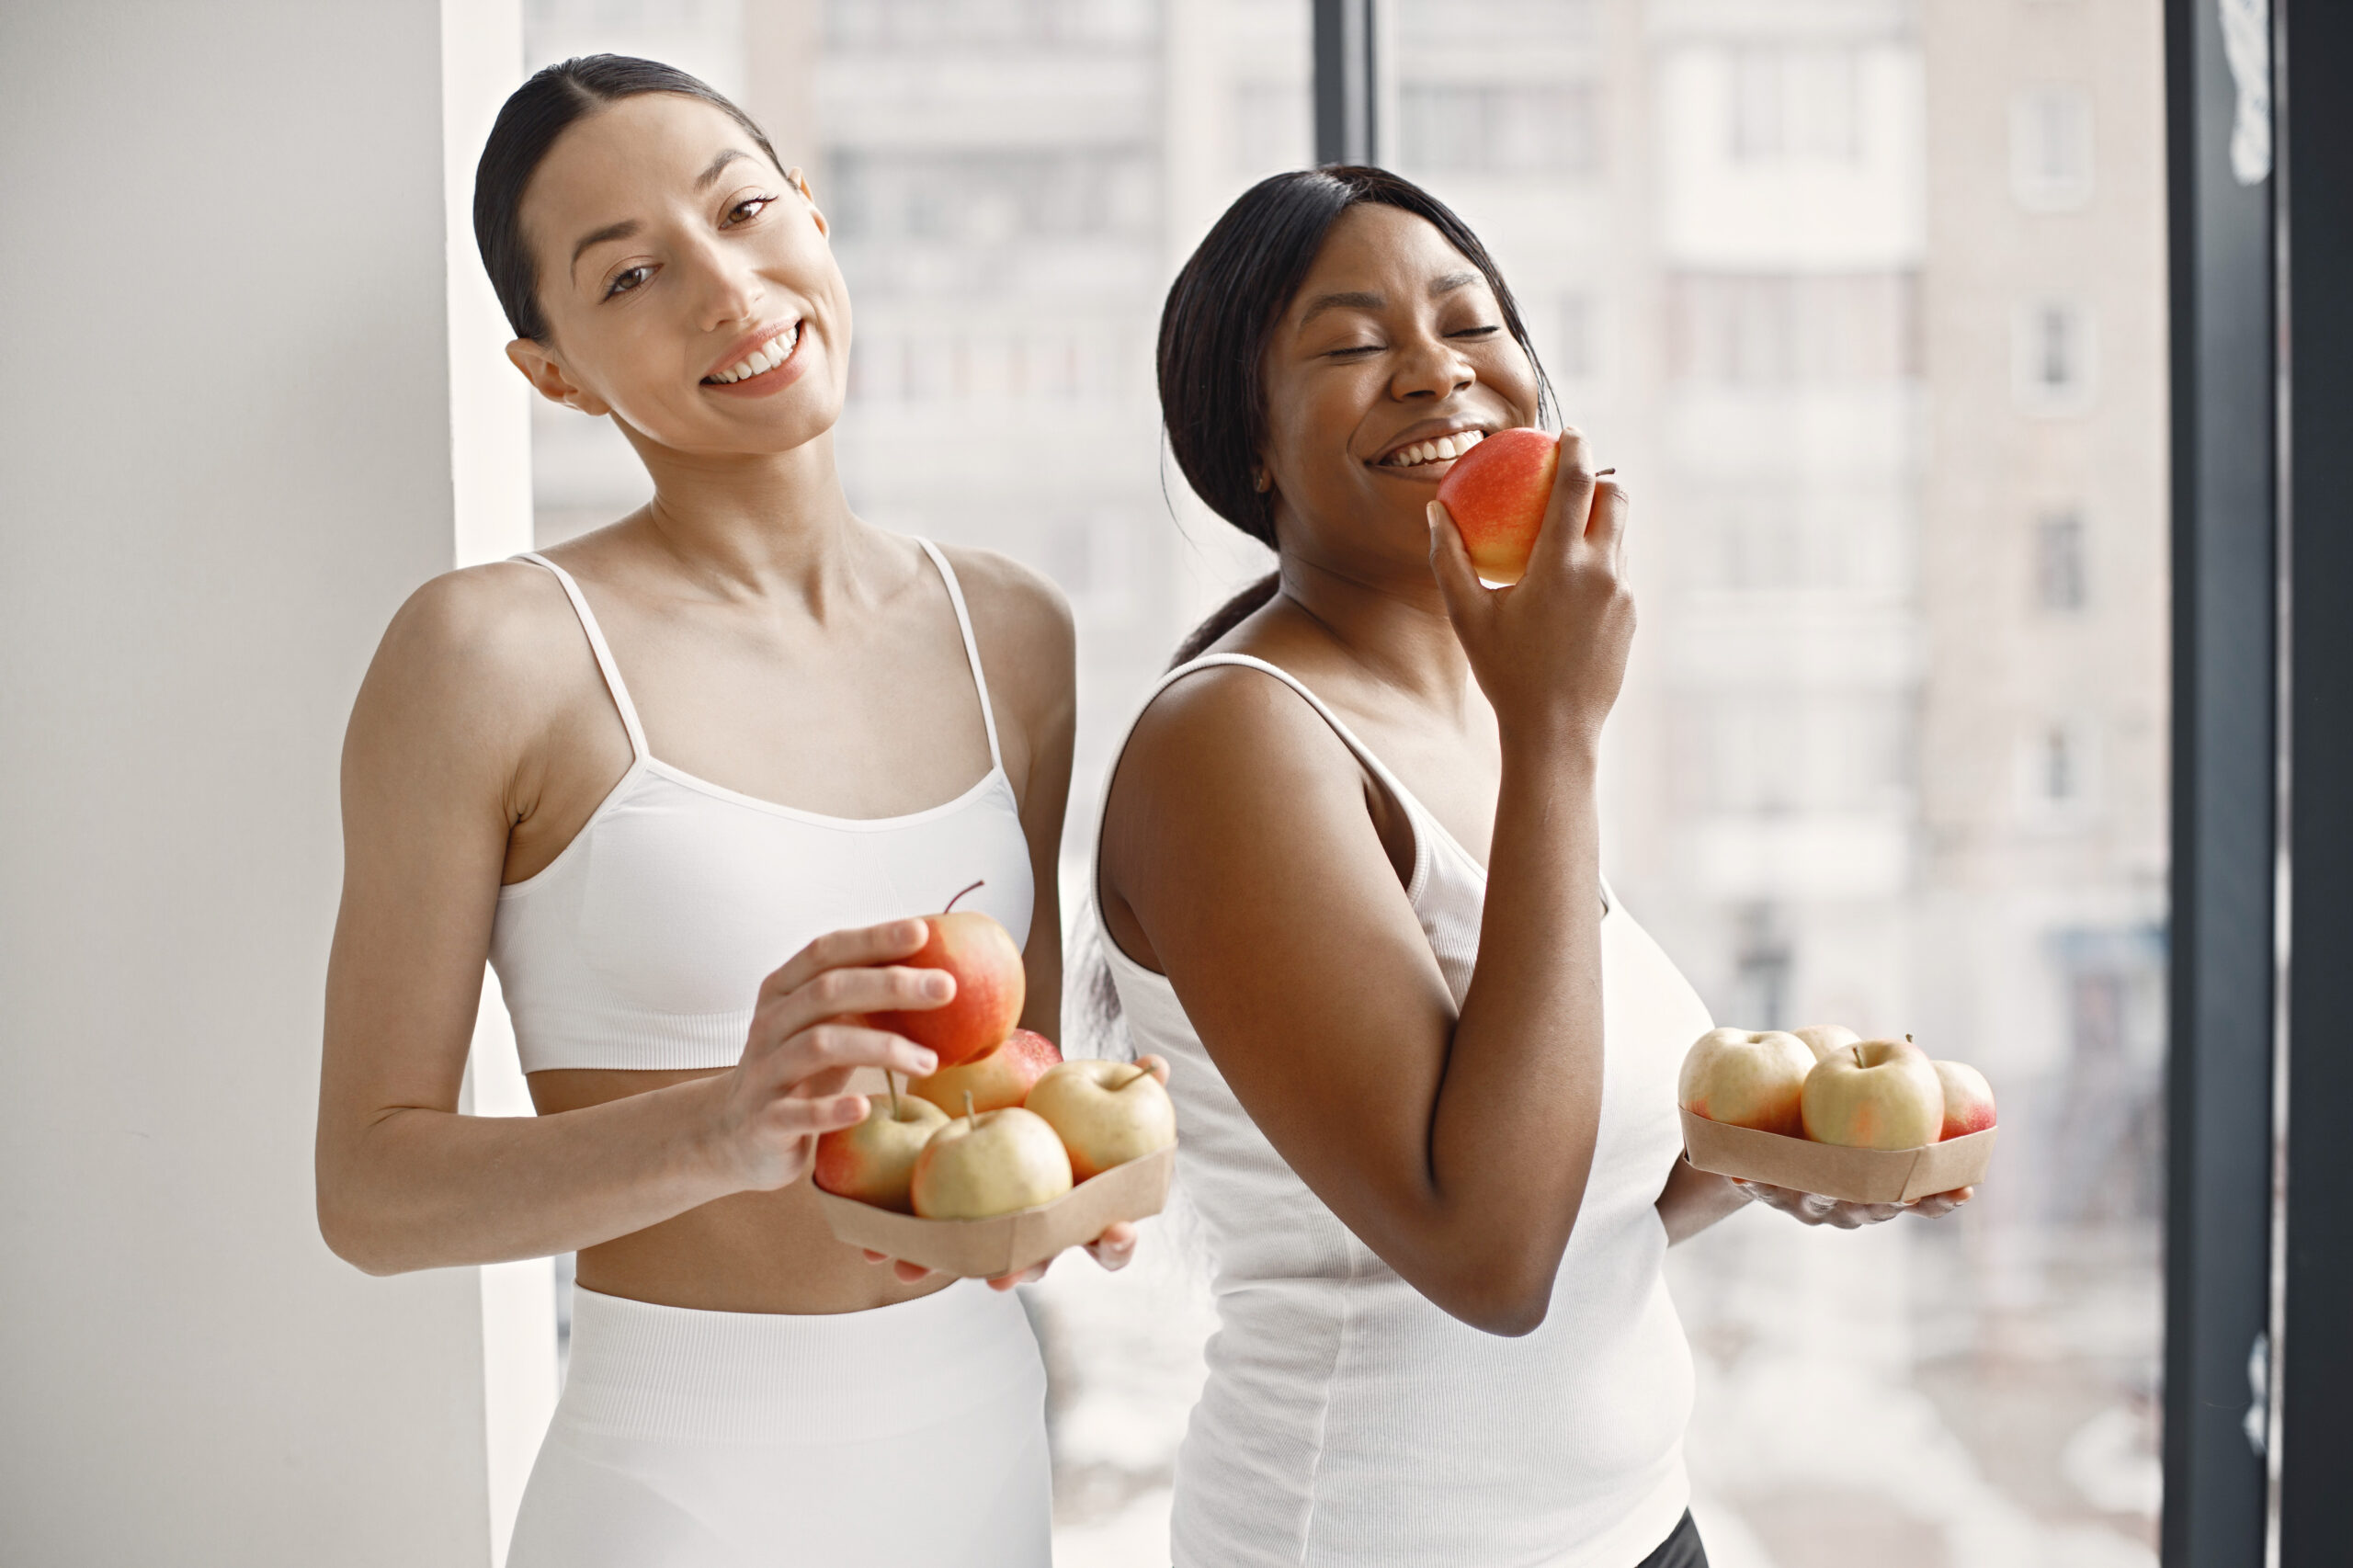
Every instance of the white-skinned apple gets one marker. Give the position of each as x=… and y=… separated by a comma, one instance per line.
x=1106, y=1113
x=1746, y=1078
x=1968, y=1098
x=1823, y=1038
x=874, y=1162
x=993, y=1161
x=996, y=1079
x=1876, y=1094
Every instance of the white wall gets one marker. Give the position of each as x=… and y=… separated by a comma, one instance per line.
x=225, y=459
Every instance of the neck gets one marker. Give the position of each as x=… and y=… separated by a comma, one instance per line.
x=1392, y=623
x=753, y=523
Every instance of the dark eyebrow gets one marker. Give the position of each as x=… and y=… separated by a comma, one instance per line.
x=1354, y=301
x=726, y=156
x=1451, y=281
x=620, y=231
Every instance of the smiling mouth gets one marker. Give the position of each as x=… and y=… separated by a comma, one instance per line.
x=759, y=361
x=1437, y=449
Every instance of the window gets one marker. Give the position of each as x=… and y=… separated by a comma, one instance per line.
x=1448, y=129
x=2060, y=583
x=1794, y=102
x=2051, y=149
x=1773, y=330
x=2051, y=348
x=2057, y=772
x=1273, y=128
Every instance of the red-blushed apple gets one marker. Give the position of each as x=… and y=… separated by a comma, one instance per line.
x=989, y=987
x=1823, y=1038
x=874, y=1162
x=1877, y=1094
x=992, y=1162
x=1106, y=1113
x=1968, y=1098
x=996, y=1079
x=1496, y=493
x=1746, y=1078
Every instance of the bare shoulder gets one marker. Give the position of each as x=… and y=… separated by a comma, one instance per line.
x=1235, y=734
x=1022, y=621
x=489, y=649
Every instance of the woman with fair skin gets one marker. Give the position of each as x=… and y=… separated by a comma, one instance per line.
x=1351, y=886
x=685, y=781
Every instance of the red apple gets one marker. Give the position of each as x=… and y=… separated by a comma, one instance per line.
x=1823, y=1038
x=989, y=987
x=994, y=1162
x=874, y=1162
x=1745, y=1079
x=995, y=1079
x=1496, y=492
x=1106, y=1113
x=1878, y=1094
x=1968, y=1098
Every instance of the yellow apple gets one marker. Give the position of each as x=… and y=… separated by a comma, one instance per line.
x=1106, y=1113
x=1746, y=1078
x=1968, y=1098
x=1823, y=1038
x=875, y=1161
x=1002, y=1077
x=994, y=1162
x=1877, y=1094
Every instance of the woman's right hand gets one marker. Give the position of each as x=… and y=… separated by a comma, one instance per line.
x=1550, y=650
x=808, y=1035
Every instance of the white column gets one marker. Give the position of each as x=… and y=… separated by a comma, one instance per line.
x=225, y=457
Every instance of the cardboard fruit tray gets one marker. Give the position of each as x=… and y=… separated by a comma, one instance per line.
x=1857, y=1176
x=982, y=1249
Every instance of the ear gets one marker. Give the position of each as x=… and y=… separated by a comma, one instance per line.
x=799, y=181
x=546, y=376
x=1261, y=480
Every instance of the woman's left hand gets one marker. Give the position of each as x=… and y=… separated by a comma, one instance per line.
x=1812, y=1208
x=1114, y=1249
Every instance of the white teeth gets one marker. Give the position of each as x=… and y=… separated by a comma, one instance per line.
x=1446, y=447
x=766, y=357
x=1438, y=450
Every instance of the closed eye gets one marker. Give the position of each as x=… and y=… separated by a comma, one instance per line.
x=1477, y=332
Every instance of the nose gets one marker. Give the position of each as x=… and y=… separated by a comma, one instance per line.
x=728, y=289
x=1432, y=368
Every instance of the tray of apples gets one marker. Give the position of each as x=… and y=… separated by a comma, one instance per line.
x=1006, y=1154
x=1821, y=1109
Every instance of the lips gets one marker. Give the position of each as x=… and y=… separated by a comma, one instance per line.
x=761, y=353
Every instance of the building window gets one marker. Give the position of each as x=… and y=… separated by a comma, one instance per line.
x=2057, y=771
x=1522, y=21
x=1794, y=103
x=1459, y=128
x=2060, y=578
x=1778, y=329
x=2051, y=358
x=2051, y=148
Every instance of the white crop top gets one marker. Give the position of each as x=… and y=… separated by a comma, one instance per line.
x=1348, y=1422
x=642, y=945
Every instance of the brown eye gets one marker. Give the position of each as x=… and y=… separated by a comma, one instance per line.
x=748, y=209
x=626, y=279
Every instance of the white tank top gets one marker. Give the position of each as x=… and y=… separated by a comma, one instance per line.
x=642, y=945
x=1349, y=1421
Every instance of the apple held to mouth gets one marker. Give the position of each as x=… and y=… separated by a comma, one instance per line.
x=1746, y=1078
x=989, y=987
x=1496, y=493
x=993, y=1161
x=874, y=1162
x=995, y=1079
x=1968, y=1098
x=1877, y=1094
x=1106, y=1113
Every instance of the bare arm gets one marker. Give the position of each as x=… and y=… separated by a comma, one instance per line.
x=437, y=770
x=1456, y=1147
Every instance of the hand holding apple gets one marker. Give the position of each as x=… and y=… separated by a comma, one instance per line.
x=1813, y=1208
x=1496, y=493
x=991, y=984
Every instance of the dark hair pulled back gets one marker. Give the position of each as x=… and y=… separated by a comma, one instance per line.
x=1223, y=310
x=537, y=113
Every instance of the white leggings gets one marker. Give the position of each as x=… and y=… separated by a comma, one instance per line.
x=908, y=1435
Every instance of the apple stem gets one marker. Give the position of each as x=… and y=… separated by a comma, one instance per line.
x=951, y=902
x=892, y=1079
x=970, y=1114
x=1140, y=1073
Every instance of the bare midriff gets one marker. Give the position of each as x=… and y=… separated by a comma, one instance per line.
x=750, y=1252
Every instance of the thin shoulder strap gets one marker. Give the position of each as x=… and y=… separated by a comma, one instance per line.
x=971, y=648
x=1364, y=754
x=604, y=652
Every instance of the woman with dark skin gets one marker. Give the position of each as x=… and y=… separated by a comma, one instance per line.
x=1350, y=884
x=690, y=781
